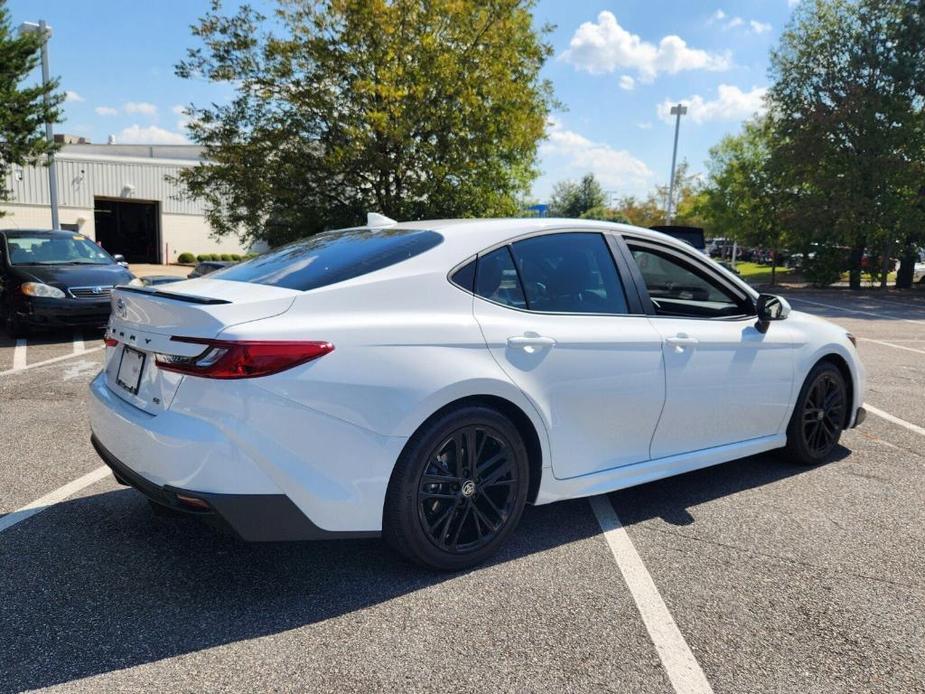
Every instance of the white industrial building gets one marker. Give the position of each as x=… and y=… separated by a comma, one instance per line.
x=122, y=197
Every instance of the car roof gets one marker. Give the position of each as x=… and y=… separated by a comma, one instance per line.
x=470, y=236
x=51, y=233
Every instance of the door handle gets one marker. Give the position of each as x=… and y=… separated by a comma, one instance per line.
x=524, y=341
x=680, y=341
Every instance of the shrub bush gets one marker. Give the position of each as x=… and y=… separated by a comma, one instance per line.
x=186, y=257
x=203, y=257
x=226, y=256
x=235, y=257
x=215, y=256
x=825, y=266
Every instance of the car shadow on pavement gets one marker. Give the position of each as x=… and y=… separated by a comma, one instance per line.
x=670, y=499
x=99, y=583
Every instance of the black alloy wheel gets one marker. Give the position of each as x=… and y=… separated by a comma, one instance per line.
x=819, y=416
x=823, y=414
x=458, y=489
x=468, y=490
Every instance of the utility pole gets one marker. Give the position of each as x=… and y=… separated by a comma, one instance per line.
x=45, y=32
x=678, y=111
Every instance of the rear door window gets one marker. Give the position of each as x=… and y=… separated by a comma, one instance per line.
x=331, y=257
x=569, y=273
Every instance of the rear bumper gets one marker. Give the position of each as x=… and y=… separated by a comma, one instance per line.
x=248, y=448
x=252, y=517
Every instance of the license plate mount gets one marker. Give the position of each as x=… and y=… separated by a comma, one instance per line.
x=130, y=369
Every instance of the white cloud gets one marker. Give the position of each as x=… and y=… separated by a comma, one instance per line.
x=150, y=135
x=142, y=107
x=731, y=103
x=567, y=153
x=793, y=3
x=106, y=111
x=71, y=95
x=752, y=25
x=627, y=83
x=605, y=46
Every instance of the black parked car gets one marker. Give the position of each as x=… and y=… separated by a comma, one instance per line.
x=55, y=278
x=207, y=266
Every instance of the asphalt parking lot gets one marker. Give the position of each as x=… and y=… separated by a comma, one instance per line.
x=776, y=578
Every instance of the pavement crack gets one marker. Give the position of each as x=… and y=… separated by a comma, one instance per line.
x=787, y=560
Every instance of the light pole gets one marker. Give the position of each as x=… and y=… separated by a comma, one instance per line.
x=45, y=30
x=678, y=111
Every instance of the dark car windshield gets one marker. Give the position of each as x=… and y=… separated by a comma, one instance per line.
x=331, y=257
x=58, y=249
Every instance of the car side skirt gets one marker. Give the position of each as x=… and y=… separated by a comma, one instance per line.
x=625, y=476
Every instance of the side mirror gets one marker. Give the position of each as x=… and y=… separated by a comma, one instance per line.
x=770, y=307
x=120, y=259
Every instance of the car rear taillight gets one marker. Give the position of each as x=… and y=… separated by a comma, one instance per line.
x=241, y=358
x=110, y=341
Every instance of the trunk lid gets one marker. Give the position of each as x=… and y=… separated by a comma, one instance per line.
x=144, y=319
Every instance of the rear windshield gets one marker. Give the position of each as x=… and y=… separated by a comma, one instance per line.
x=331, y=257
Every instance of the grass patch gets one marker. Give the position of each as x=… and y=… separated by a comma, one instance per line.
x=756, y=273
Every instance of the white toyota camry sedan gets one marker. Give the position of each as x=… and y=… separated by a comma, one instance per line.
x=424, y=381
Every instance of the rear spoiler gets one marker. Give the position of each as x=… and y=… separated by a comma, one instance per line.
x=170, y=295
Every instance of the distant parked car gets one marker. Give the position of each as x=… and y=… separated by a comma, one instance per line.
x=55, y=278
x=154, y=280
x=207, y=266
x=918, y=272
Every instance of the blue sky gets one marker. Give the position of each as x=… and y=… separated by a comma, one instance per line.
x=617, y=67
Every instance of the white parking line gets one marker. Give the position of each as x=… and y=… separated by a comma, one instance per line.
x=52, y=498
x=858, y=311
x=19, y=354
x=79, y=346
x=890, y=344
x=26, y=367
x=683, y=669
x=896, y=420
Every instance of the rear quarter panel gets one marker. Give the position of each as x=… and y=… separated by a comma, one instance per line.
x=404, y=347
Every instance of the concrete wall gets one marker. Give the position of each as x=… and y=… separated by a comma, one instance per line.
x=181, y=233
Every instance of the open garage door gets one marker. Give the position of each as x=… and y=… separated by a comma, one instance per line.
x=129, y=228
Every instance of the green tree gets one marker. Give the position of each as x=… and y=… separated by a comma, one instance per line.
x=645, y=212
x=574, y=198
x=846, y=104
x=23, y=111
x=687, y=189
x=603, y=213
x=412, y=108
x=744, y=198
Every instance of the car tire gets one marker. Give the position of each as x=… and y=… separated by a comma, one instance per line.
x=819, y=416
x=458, y=489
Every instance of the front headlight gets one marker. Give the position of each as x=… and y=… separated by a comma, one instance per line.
x=135, y=282
x=39, y=289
